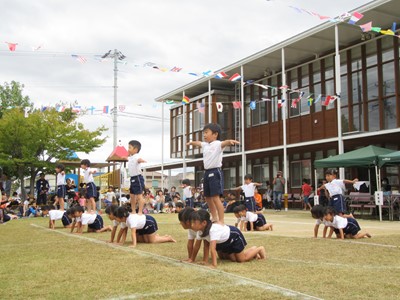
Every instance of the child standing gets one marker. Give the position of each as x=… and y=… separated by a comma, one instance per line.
x=187, y=193
x=184, y=219
x=226, y=241
x=213, y=177
x=336, y=189
x=250, y=221
x=61, y=186
x=135, y=172
x=343, y=227
x=248, y=189
x=91, y=190
x=306, y=192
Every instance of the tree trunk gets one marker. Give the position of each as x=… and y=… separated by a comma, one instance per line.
x=32, y=181
x=21, y=178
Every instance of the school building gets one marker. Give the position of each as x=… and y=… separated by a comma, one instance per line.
x=351, y=76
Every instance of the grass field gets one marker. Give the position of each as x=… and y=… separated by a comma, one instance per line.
x=41, y=264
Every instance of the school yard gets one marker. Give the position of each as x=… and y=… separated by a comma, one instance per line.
x=37, y=263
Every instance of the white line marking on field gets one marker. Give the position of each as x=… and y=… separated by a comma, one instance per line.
x=240, y=279
x=370, y=244
x=335, y=264
x=175, y=292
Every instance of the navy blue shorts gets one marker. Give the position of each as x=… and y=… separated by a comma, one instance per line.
x=6, y=218
x=91, y=191
x=213, y=182
x=235, y=243
x=61, y=191
x=250, y=203
x=97, y=224
x=150, y=226
x=65, y=220
x=337, y=202
x=352, y=227
x=137, y=185
x=189, y=202
x=259, y=223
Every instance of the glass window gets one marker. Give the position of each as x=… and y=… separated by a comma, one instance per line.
x=229, y=178
x=389, y=110
x=345, y=119
x=300, y=170
x=263, y=111
x=331, y=152
x=305, y=81
x=304, y=105
x=387, y=49
x=371, y=52
x=275, y=165
x=255, y=115
x=330, y=91
x=179, y=125
x=293, y=104
x=274, y=109
x=358, y=118
x=293, y=80
x=316, y=71
x=198, y=120
x=373, y=115
x=356, y=59
x=372, y=83
x=260, y=173
x=329, y=68
x=356, y=80
x=317, y=91
x=248, y=115
x=388, y=79
x=344, y=94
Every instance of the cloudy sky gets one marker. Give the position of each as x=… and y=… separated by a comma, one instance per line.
x=194, y=35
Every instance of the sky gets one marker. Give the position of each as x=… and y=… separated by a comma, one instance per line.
x=191, y=34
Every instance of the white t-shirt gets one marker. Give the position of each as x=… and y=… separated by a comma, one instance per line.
x=219, y=233
x=248, y=189
x=56, y=214
x=116, y=223
x=338, y=222
x=335, y=187
x=87, y=176
x=187, y=192
x=110, y=196
x=250, y=217
x=123, y=200
x=136, y=221
x=212, y=154
x=60, y=179
x=88, y=218
x=191, y=234
x=134, y=168
x=319, y=222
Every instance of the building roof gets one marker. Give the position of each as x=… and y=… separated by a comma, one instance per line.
x=313, y=43
x=118, y=154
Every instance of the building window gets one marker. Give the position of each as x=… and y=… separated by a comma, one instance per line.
x=260, y=173
x=300, y=170
x=389, y=110
x=229, y=178
x=198, y=120
x=178, y=126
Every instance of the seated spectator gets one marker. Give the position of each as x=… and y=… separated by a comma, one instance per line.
x=123, y=200
x=232, y=202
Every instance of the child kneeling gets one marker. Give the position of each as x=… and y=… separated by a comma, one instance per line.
x=250, y=221
x=93, y=221
x=143, y=227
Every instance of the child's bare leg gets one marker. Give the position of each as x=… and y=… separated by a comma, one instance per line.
x=219, y=208
x=104, y=229
x=92, y=204
x=213, y=209
x=141, y=203
x=361, y=235
x=250, y=254
x=61, y=202
x=265, y=227
x=155, y=238
x=133, y=203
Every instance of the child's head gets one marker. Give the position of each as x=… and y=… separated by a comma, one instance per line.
x=110, y=188
x=173, y=189
x=111, y=210
x=41, y=175
x=317, y=212
x=185, y=182
x=305, y=181
x=121, y=214
x=85, y=163
x=200, y=221
x=60, y=168
x=45, y=210
x=159, y=192
x=134, y=147
x=179, y=206
x=184, y=217
x=81, y=195
x=70, y=213
x=331, y=174
x=211, y=132
x=78, y=211
x=329, y=214
x=248, y=178
x=239, y=211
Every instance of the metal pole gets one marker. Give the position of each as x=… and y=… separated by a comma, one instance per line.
x=284, y=94
x=209, y=102
x=115, y=99
x=338, y=100
x=162, y=146
x=244, y=171
x=184, y=137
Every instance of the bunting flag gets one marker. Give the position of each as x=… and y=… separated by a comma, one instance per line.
x=327, y=100
x=266, y=87
x=281, y=103
x=91, y=109
x=201, y=107
x=310, y=100
x=169, y=102
x=60, y=108
x=318, y=98
x=176, y=69
x=121, y=108
x=283, y=87
x=221, y=75
x=376, y=29
x=105, y=109
x=394, y=25
x=79, y=58
x=43, y=108
x=235, y=77
x=356, y=16
x=220, y=107
x=76, y=109
x=266, y=99
x=36, y=48
x=366, y=27
x=185, y=100
x=12, y=46
x=253, y=105
x=207, y=73
x=387, y=32
x=237, y=104
x=294, y=103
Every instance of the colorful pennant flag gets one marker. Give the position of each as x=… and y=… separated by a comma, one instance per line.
x=36, y=48
x=327, y=100
x=366, y=27
x=266, y=87
x=76, y=109
x=220, y=107
x=176, y=69
x=185, y=100
x=294, y=103
x=105, y=109
x=79, y=58
x=91, y=109
x=235, y=77
x=12, y=46
x=121, y=107
x=309, y=100
x=283, y=87
x=207, y=73
x=394, y=25
x=60, y=108
x=376, y=29
x=318, y=98
x=237, y=104
x=169, y=102
x=201, y=108
x=387, y=32
x=253, y=105
x=221, y=75
x=355, y=18
x=281, y=103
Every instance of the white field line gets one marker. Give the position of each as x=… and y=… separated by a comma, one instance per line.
x=239, y=279
x=175, y=292
x=335, y=264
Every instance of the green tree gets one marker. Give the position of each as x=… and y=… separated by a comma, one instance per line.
x=11, y=97
x=33, y=143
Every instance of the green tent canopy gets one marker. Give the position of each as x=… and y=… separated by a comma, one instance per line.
x=364, y=157
x=389, y=159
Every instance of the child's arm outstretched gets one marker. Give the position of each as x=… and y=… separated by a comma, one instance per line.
x=229, y=143
x=194, y=143
x=350, y=181
x=141, y=160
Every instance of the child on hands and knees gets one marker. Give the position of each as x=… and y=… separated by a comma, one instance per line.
x=226, y=241
x=135, y=172
x=184, y=219
x=343, y=227
x=143, y=227
x=250, y=221
x=317, y=212
x=213, y=177
x=93, y=221
x=91, y=190
x=111, y=212
x=55, y=214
